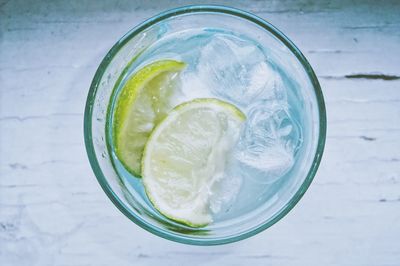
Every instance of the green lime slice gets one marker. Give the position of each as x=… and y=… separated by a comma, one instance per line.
x=145, y=100
x=185, y=153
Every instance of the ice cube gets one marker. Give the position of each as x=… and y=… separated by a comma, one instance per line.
x=224, y=192
x=269, y=141
x=238, y=71
x=225, y=183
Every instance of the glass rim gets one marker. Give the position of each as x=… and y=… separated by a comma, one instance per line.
x=218, y=9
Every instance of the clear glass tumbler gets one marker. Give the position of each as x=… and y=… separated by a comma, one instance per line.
x=295, y=66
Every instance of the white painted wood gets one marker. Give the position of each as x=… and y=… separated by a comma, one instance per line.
x=53, y=212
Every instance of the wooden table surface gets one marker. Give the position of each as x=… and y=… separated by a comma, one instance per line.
x=53, y=211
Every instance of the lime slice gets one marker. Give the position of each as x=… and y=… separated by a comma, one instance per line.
x=145, y=99
x=185, y=154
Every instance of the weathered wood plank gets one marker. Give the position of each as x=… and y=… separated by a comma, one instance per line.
x=53, y=212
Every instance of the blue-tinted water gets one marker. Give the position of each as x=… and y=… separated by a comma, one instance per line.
x=236, y=69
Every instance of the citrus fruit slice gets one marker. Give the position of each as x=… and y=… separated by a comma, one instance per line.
x=185, y=154
x=145, y=99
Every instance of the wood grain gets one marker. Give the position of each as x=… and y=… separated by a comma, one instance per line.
x=53, y=212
